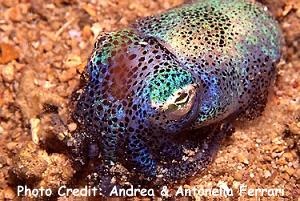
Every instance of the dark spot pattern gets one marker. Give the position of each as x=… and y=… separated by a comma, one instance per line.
x=203, y=64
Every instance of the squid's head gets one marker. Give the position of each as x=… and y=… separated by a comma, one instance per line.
x=135, y=84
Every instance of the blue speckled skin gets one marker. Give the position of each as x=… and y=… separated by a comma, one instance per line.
x=159, y=95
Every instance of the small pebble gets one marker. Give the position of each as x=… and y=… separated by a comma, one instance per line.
x=10, y=3
x=132, y=6
x=285, y=176
x=295, y=128
x=267, y=174
x=289, y=156
x=11, y=146
x=86, y=31
x=68, y=74
x=297, y=173
x=238, y=176
x=3, y=160
x=73, y=33
x=9, y=193
x=298, y=13
x=287, y=9
x=72, y=127
x=35, y=127
x=1, y=195
x=72, y=61
x=8, y=53
x=89, y=9
x=290, y=170
x=15, y=14
x=258, y=141
x=282, y=161
x=8, y=73
x=96, y=29
x=242, y=159
x=236, y=184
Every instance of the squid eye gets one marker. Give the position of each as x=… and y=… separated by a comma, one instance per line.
x=179, y=103
x=182, y=99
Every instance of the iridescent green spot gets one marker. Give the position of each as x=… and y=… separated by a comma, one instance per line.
x=163, y=85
